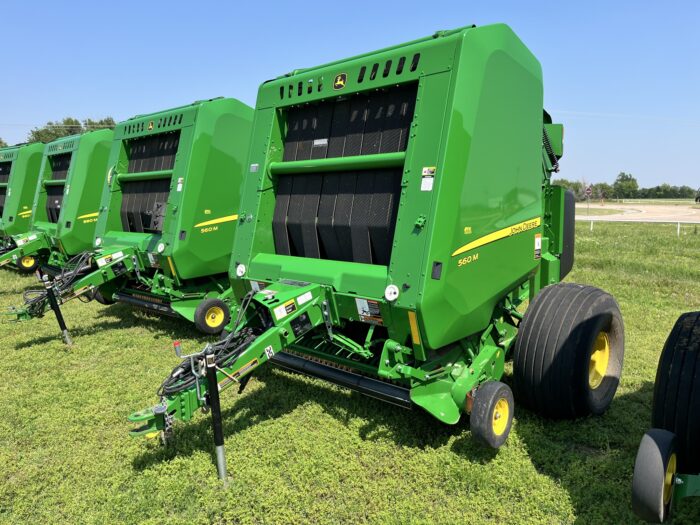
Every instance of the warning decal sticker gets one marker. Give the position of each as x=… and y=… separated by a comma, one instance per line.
x=538, y=246
x=368, y=311
x=285, y=309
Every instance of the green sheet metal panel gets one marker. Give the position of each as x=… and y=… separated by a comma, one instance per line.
x=202, y=183
x=80, y=165
x=472, y=168
x=24, y=163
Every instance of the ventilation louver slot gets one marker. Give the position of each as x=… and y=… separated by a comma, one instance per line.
x=363, y=124
x=5, y=168
x=143, y=205
x=54, y=201
x=3, y=192
x=342, y=216
x=154, y=152
x=60, y=164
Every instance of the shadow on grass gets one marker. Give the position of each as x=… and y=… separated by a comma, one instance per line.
x=118, y=317
x=593, y=458
x=75, y=333
x=407, y=428
x=163, y=325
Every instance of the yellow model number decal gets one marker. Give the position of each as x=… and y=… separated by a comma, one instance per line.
x=208, y=229
x=468, y=259
x=503, y=233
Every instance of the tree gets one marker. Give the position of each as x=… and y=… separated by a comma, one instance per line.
x=625, y=186
x=3, y=144
x=68, y=126
x=577, y=187
x=603, y=190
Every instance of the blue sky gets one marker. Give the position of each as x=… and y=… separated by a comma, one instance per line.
x=623, y=76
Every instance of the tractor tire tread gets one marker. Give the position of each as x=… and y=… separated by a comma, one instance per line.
x=676, y=401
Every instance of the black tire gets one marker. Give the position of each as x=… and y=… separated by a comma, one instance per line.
x=212, y=316
x=676, y=404
x=28, y=263
x=653, y=481
x=102, y=299
x=555, y=348
x=491, y=400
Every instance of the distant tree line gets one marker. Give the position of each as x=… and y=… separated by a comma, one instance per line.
x=63, y=128
x=68, y=126
x=626, y=187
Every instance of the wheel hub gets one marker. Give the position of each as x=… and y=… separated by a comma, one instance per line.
x=214, y=316
x=500, y=416
x=598, y=365
x=669, y=479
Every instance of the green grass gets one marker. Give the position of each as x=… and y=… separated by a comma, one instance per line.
x=584, y=210
x=303, y=451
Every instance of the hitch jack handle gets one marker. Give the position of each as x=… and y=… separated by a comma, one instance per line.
x=216, y=422
x=53, y=302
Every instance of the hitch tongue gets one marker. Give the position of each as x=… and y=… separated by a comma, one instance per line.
x=153, y=419
x=18, y=314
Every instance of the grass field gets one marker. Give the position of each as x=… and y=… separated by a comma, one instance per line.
x=302, y=451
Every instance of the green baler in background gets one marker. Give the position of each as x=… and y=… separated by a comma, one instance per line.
x=396, y=219
x=66, y=201
x=19, y=171
x=167, y=217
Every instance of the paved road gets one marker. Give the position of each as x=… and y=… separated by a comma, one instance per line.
x=641, y=213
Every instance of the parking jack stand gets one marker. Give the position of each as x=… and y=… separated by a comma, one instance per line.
x=53, y=302
x=215, y=407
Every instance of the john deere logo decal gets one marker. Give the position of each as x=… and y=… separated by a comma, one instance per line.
x=150, y=125
x=340, y=80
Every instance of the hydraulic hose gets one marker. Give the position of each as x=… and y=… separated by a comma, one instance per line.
x=225, y=351
x=36, y=300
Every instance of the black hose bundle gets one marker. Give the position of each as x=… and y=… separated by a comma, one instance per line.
x=225, y=351
x=36, y=300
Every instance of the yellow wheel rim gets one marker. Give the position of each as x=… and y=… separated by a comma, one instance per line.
x=27, y=261
x=501, y=413
x=598, y=365
x=214, y=317
x=668, y=479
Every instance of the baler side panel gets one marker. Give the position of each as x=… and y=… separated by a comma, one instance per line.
x=494, y=139
x=203, y=233
x=81, y=201
x=21, y=188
